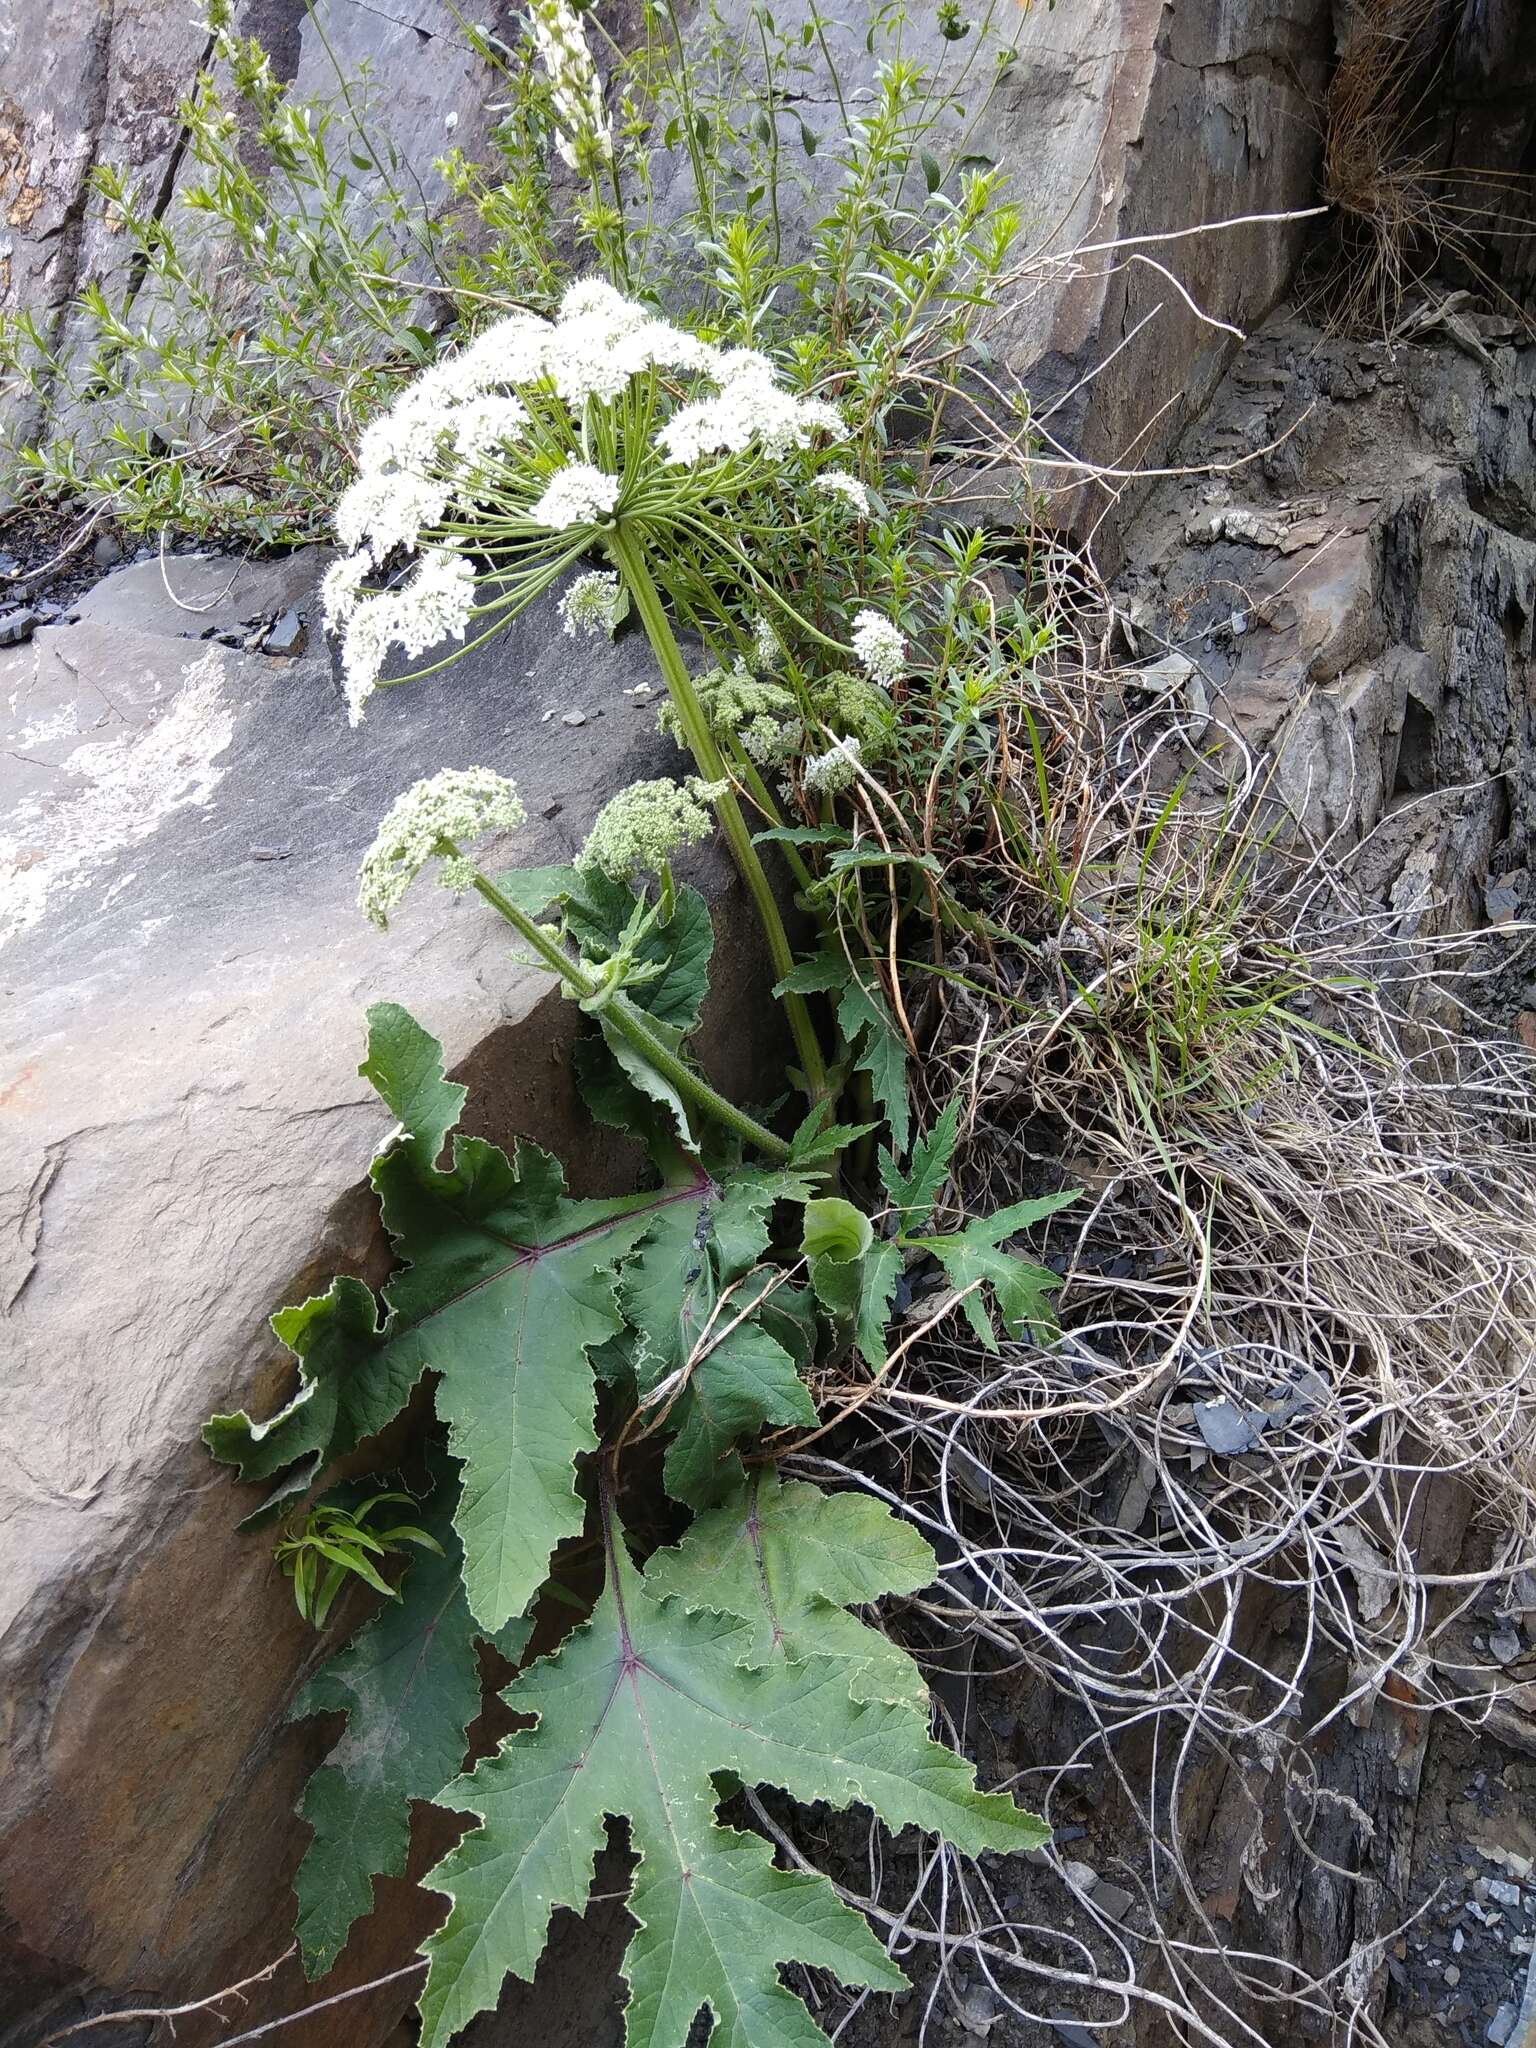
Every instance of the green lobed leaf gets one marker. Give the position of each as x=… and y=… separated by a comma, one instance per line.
x=508, y=1288
x=409, y=1684
x=350, y=1386
x=405, y=1065
x=741, y=1382
x=789, y=1560
x=915, y=1191
x=1021, y=1288
x=738, y=1378
x=637, y=1713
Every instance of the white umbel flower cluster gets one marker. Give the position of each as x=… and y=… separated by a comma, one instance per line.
x=591, y=605
x=880, y=646
x=826, y=774
x=837, y=483
x=750, y=406
x=577, y=90
x=458, y=805
x=434, y=605
x=485, y=425
x=577, y=495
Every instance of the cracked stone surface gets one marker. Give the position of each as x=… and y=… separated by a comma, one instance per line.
x=183, y=1136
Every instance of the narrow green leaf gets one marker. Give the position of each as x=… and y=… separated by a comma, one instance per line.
x=409, y=1685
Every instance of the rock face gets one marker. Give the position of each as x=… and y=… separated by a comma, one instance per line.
x=1359, y=603
x=182, y=1141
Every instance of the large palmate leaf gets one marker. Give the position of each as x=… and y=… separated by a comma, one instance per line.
x=789, y=1560
x=507, y=1286
x=1021, y=1289
x=637, y=1714
x=409, y=1684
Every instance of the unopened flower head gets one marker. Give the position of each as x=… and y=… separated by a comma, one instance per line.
x=826, y=774
x=580, y=111
x=592, y=605
x=837, y=483
x=577, y=495
x=644, y=825
x=857, y=708
x=760, y=713
x=459, y=805
x=880, y=646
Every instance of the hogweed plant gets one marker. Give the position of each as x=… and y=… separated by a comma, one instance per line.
x=604, y=430
x=614, y=1381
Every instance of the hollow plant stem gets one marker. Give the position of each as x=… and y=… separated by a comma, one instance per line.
x=630, y=1023
x=629, y=559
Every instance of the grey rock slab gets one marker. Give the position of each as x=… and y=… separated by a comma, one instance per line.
x=182, y=1150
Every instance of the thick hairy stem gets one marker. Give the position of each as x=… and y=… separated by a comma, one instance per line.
x=629, y=559
x=631, y=1024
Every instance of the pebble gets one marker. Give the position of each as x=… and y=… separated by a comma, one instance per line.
x=1503, y=1893
x=1113, y=1902
x=1458, y=1942
x=16, y=626
x=287, y=635
x=1504, y=1645
x=573, y=718
x=1081, y=1876
x=108, y=551
x=1502, y=2025
x=1073, y=2034
x=1452, y=1975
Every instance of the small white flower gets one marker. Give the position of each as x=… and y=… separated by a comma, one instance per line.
x=515, y=350
x=435, y=605
x=369, y=636
x=750, y=407
x=880, y=646
x=837, y=483
x=591, y=605
x=767, y=648
x=341, y=589
x=825, y=774
x=577, y=495
x=483, y=425
x=459, y=804
x=384, y=510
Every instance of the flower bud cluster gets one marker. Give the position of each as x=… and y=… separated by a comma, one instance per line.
x=641, y=828
x=458, y=805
